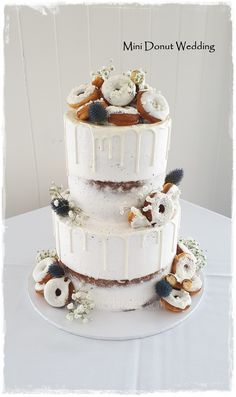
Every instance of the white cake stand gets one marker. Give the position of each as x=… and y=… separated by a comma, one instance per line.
x=135, y=324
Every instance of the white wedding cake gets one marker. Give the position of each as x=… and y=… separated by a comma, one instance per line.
x=116, y=228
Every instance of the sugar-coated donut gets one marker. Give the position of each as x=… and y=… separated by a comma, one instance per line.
x=158, y=208
x=184, y=266
x=83, y=111
x=122, y=115
x=40, y=272
x=193, y=286
x=58, y=291
x=152, y=106
x=119, y=90
x=177, y=301
x=83, y=94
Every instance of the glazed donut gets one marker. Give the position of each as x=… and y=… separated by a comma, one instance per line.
x=152, y=106
x=122, y=115
x=184, y=266
x=158, y=208
x=40, y=272
x=176, y=301
x=39, y=288
x=83, y=94
x=119, y=90
x=83, y=111
x=58, y=291
x=172, y=280
x=192, y=286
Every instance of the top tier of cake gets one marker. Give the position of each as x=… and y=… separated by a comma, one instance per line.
x=116, y=154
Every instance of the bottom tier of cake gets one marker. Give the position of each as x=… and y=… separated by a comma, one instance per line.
x=120, y=297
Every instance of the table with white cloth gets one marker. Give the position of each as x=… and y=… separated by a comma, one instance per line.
x=195, y=355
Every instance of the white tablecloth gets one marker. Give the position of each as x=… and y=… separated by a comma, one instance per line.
x=195, y=355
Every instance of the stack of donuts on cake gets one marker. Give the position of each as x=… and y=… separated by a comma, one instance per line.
x=116, y=227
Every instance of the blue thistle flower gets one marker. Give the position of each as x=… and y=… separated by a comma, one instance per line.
x=163, y=288
x=175, y=176
x=60, y=206
x=97, y=113
x=56, y=270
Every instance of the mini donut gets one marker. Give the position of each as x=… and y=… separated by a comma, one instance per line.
x=83, y=111
x=119, y=90
x=40, y=272
x=152, y=106
x=58, y=291
x=192, y=286
x=184, y=266
x=158, y=208
x=172, y=280
x=176, y=301
x=97, y=81
x=83, y=94
x=137, y=219
x=39, y=288
x=122, y=115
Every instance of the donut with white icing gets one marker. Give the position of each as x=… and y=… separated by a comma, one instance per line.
x=118, y=90
x=122, y=116
x=58, y=291
x=152, y=106
x=193, y=286
x=158, y=208
x=40, y=272
x=184, y=266
x=176, y=301
x=83, y=94
x=83, y=111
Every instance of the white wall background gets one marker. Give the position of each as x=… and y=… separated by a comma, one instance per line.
x=49, y=51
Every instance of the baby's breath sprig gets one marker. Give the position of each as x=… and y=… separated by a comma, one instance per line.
x=104, y=72
x=81, y=305
x=194, y=247
x=46, y=254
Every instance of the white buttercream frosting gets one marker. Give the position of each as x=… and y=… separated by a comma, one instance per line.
x=80, y=93
x=119, y=90
x=155, y=104
x=178, y=298
x=41, y=269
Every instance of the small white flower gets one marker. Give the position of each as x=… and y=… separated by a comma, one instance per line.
x=70, y=306
x=71, y=204
x=78, y=294
x=73, y=296
x=56, y=203
x=70, y=316
x=71, y=214
x=81, y=308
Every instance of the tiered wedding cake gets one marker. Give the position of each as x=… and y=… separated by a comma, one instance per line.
x=116, y=228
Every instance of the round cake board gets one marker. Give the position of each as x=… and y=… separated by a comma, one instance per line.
x=148, y=321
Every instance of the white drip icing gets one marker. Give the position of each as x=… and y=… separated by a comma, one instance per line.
x=160, y=247
x=76, y=145
x=110, y=148
x=174, y=236
x=154, y=148
x=168, y=139
x=71, y=239
x=58, y=239
x=138, y=147
x=85, y=240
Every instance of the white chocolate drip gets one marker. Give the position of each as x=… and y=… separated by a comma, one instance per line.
x=71, y=240
x=76, y=145
x=138, y=147
x=85, y=240
x=168, y=139
x=154, y=148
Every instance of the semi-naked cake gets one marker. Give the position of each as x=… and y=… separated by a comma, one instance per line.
x=116, y=227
